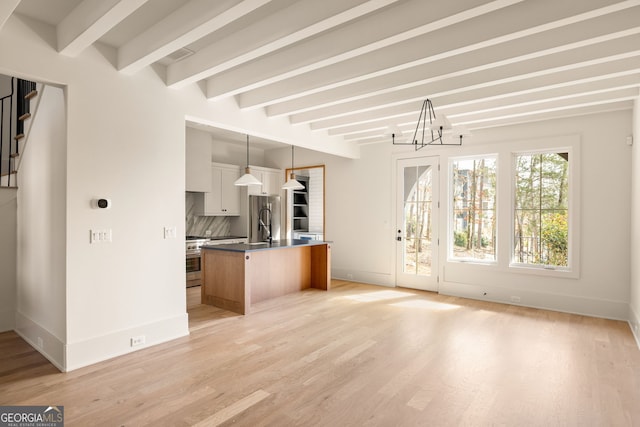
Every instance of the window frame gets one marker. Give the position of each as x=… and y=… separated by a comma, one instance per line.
x=451, y=208
x=573, y=267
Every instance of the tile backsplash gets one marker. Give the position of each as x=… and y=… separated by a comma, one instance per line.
x=199, y=225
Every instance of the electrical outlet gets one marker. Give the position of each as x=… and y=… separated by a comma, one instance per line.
x=40, y=342
x=515, y=299
x=350, y=276
x=136, y=341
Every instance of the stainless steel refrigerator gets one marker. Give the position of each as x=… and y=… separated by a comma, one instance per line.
x=264, y=218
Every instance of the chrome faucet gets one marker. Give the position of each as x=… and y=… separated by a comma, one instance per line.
x=265, y=228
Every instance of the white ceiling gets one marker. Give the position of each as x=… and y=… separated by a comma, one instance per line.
x=352, y=68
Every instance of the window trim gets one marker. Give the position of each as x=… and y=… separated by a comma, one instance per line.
x=573, y=269
x=450, y=208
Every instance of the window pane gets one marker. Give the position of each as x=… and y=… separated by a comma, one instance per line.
x=541, y=230
x=417, y=220
x=474, y=209
x=410, y=263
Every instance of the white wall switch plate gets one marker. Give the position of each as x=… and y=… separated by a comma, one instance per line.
x=170, y=233
x=100, y=236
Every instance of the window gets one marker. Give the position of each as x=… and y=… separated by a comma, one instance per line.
x=473, y=217
x=541, y=209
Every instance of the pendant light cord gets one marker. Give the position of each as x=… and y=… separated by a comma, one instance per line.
x=247, y=150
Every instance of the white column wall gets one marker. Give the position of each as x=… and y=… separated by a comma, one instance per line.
x=634, y=304
x=8, y=207
x=42, y=226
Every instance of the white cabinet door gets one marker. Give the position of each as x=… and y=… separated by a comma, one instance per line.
x=224, y=199
x=230, y=196
x=271, y=182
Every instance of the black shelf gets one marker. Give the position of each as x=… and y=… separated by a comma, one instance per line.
x=301, y=206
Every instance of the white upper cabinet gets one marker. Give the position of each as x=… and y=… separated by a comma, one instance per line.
x=224, y=199
x=198, y=164
x=271, y=179
x=225, y=195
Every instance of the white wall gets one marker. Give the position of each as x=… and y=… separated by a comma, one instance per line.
x=8, y=207
x=360, y=217
x=41, y=255
x=125, y=141
x=634, y=304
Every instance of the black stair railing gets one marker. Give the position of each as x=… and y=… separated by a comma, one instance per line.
x=6, y=132
x=10, y=140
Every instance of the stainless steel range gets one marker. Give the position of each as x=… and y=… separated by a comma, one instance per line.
x=194, y=262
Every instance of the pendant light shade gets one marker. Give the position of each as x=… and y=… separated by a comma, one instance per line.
x=292, y=183
x=247, y=179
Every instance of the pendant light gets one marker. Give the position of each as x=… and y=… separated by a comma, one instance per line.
x=292, y=183
x=247, y=178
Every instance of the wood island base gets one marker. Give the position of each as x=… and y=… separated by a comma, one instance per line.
x=235, y=279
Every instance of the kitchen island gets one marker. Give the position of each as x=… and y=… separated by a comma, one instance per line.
x=235, y=276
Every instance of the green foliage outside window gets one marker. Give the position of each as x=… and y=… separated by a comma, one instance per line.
x=541, y=231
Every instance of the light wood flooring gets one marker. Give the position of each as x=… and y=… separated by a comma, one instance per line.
x=357, y=355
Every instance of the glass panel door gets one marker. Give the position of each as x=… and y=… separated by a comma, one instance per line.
x=417, y=208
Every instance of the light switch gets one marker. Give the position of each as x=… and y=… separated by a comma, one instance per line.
x=100, y=236
x=170, y=233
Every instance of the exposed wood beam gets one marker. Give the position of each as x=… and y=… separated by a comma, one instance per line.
x=89, y=21
x=6, y=9
x=519, y=76
x=456, y=106
x=374, y=32
x=567, y=83
x=338, y=84
x=585, y=59
x=189, y=23
x=301, y=20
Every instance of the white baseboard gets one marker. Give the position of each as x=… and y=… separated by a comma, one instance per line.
x=98, y=349
x=363, y=277
x=41, y=339
x=634, y=324
x=594, y=307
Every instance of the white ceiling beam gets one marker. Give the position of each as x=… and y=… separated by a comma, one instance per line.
x=553, y=103
x=528, y=90
x=514, y=106
x=6, y=9
x=324, y=87
x=301, y=20
x=189, y=23
x=402, y=22
x=499, y=89
x=89, y=21
x=518, y=73
x=448, y=44
x=533, y=117
x=548, y=109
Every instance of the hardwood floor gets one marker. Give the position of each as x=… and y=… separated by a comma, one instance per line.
x=357, y=355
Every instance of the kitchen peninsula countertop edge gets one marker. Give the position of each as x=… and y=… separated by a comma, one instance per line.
x=252, y=247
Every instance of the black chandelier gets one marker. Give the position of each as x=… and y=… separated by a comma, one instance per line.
x=435, y=131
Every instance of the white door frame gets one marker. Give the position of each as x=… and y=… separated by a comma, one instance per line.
x=417, y=281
